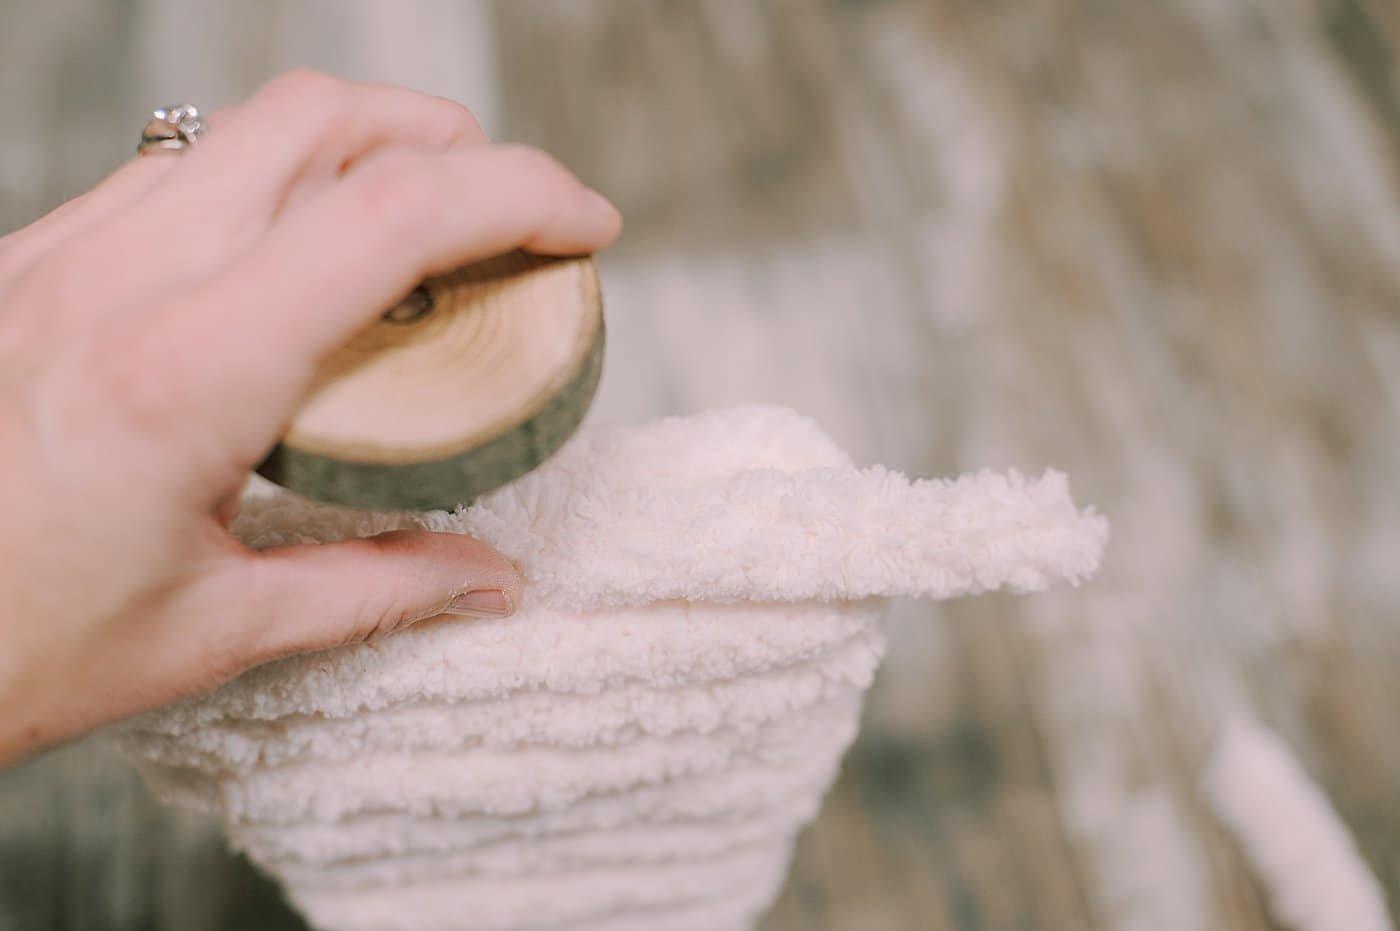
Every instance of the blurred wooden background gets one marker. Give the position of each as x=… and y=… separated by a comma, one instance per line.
x=1155, y=244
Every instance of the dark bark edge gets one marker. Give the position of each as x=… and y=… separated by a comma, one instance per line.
x=445, y=483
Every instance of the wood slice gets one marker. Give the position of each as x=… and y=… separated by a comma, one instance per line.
x=473, y=380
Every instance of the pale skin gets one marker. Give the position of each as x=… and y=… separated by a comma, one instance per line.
x=155, y=335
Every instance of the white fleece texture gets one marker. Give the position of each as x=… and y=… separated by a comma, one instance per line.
x=638, y=747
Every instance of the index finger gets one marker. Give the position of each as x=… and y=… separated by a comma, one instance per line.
x=332, y=265
x=335, y=265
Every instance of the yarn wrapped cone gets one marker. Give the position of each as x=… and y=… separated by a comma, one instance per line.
x=639, y=746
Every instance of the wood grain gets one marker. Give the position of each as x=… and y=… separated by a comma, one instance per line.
x=472, y=381
x=1156, y=245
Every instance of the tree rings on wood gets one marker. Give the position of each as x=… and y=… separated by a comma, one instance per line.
x=474, y=379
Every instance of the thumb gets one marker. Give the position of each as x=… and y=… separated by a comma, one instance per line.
x=318, y=596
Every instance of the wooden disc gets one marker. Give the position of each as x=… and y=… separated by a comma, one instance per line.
x=472, y=381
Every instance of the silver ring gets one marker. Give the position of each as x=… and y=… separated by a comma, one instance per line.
x=171, y=129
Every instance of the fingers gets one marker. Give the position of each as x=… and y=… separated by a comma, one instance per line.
x=333, y=265
x=304, y=598
x=305, y=123
x=299, y=133
x=305, y=126
x=329, y=268
x=205, y=207
x=124, y=187
x=237, y=288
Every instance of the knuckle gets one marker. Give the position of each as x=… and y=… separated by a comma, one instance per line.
x=537, y=163
x=542, y=182
x=468, y=124
x=262, y=633
x=373, y=611
x=452, y=120
x=395, y=190
x=305, y=102
x=378, y=617
x=306, y=86
x=229, y=651
x=299, y=104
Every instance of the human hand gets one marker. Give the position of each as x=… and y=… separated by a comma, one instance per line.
x=155, y=335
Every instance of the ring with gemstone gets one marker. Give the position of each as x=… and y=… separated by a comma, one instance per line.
x=171, y=129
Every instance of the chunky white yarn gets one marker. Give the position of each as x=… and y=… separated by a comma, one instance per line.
x=639, y=745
